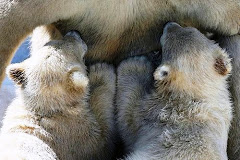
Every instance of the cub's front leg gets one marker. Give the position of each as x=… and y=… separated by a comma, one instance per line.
x=102, y=80
x=134, y=79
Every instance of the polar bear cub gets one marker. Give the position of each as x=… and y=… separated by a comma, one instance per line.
x=186, y=115
x=60, y=111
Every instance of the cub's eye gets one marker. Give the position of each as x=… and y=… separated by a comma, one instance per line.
x=48, y=57
x=164, y=73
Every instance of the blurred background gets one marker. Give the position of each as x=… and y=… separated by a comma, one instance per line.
x=7, y=90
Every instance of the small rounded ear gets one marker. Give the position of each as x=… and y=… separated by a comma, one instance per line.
x=162, y=72
x=16, y=72
x=222, y=64
x=79, y=79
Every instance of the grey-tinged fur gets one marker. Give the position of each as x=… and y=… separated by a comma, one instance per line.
x=113, y=29
x=232, y=46
x=187, y=115
x=60, y=112
x=133, y=82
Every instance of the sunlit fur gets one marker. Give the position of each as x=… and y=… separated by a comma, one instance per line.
x=60, y=112
x=112, y=29
x=186, y=114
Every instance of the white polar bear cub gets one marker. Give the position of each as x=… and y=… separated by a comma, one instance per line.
x=186, y=114
x=60, y=112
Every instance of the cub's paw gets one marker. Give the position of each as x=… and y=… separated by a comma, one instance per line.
x=102, y=72
x=137, y=64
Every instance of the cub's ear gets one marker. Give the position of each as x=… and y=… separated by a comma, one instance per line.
x=16, y=72
x=222, y=63
x=78, y=79
x=162, y=72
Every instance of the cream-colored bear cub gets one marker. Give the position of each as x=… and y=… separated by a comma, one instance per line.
x=60, y=112
x=187, y=114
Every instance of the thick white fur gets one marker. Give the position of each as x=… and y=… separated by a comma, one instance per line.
x=187, y=114
x=60, y=112
x=110, y=26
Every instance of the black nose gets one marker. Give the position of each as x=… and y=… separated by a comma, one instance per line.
x=168, y=28
x=171, y=24
x=76, y=35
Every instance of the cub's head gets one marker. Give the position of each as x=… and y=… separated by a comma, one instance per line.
x=191, y=63
x=56, y=72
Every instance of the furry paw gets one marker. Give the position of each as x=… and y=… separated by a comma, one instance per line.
x=102, y=73
x=138, y=64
